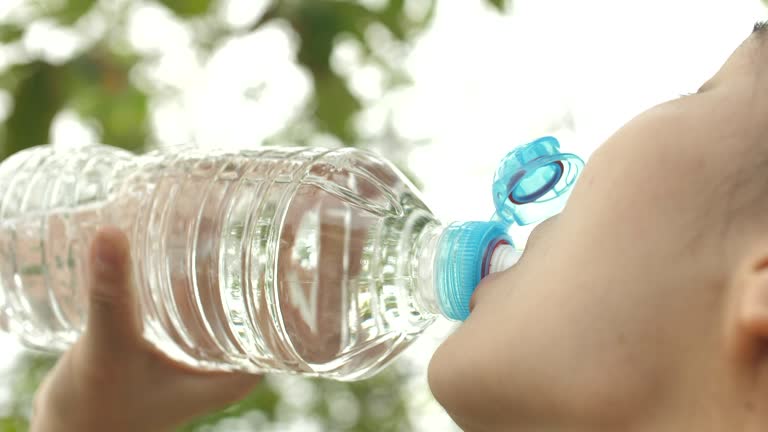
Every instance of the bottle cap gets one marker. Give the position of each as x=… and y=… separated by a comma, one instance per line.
x=463, y=259
x=532, y=183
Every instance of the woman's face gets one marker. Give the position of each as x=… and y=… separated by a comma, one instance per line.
x=613, y=316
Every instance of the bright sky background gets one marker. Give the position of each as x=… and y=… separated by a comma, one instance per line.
x=484, y=84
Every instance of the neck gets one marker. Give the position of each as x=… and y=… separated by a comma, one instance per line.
x=422, y=263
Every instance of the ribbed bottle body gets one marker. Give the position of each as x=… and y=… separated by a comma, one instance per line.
x=297, y=260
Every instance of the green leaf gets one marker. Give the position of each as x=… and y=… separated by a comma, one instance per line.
x=12, y=424
x=187, y=8
x=394, y=18
x=10, y=33
x=27, y=373
x=503, y=5
x=37, y=98
x=264, y=399
x=72, y=10
x=13, y=76
x=318, y=25
x=124, y=120
x=102, y=92
x=335, y=106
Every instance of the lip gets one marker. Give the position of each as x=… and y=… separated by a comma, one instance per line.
x=476, y=295
x=473, y=300
x=486, y=284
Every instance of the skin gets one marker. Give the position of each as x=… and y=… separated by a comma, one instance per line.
x=655, y=317
x=112, y=379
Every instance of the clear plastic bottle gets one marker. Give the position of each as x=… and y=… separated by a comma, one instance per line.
x=302, y=260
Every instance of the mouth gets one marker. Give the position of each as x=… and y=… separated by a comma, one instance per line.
x=476, y=294
x=473, y=301
x=502, y=256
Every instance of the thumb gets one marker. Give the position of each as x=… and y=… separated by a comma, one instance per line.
x=112, y=316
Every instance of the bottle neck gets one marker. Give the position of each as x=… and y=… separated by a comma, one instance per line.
x=449, y=262
x=423, y=257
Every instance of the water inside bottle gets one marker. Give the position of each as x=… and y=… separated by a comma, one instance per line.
x=259, y=261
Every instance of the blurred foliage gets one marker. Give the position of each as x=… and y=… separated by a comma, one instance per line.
x=96, y=82
x=374, y=405
x=501, y=5
x=22, y=380
x=187, y=8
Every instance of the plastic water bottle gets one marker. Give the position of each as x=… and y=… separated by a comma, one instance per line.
x=302, y=260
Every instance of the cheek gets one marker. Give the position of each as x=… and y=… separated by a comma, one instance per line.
x=467, y=372
x=481, y=374
x=543, y=344
x=467, y=377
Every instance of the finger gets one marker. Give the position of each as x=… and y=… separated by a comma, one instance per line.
x=112, y=319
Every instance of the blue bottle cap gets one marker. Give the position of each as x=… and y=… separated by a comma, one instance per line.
x=532, y=183
x=462, y=260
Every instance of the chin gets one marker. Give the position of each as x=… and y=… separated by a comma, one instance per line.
x=456, y=383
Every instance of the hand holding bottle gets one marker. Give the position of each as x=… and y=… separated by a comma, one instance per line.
x=112, y=379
